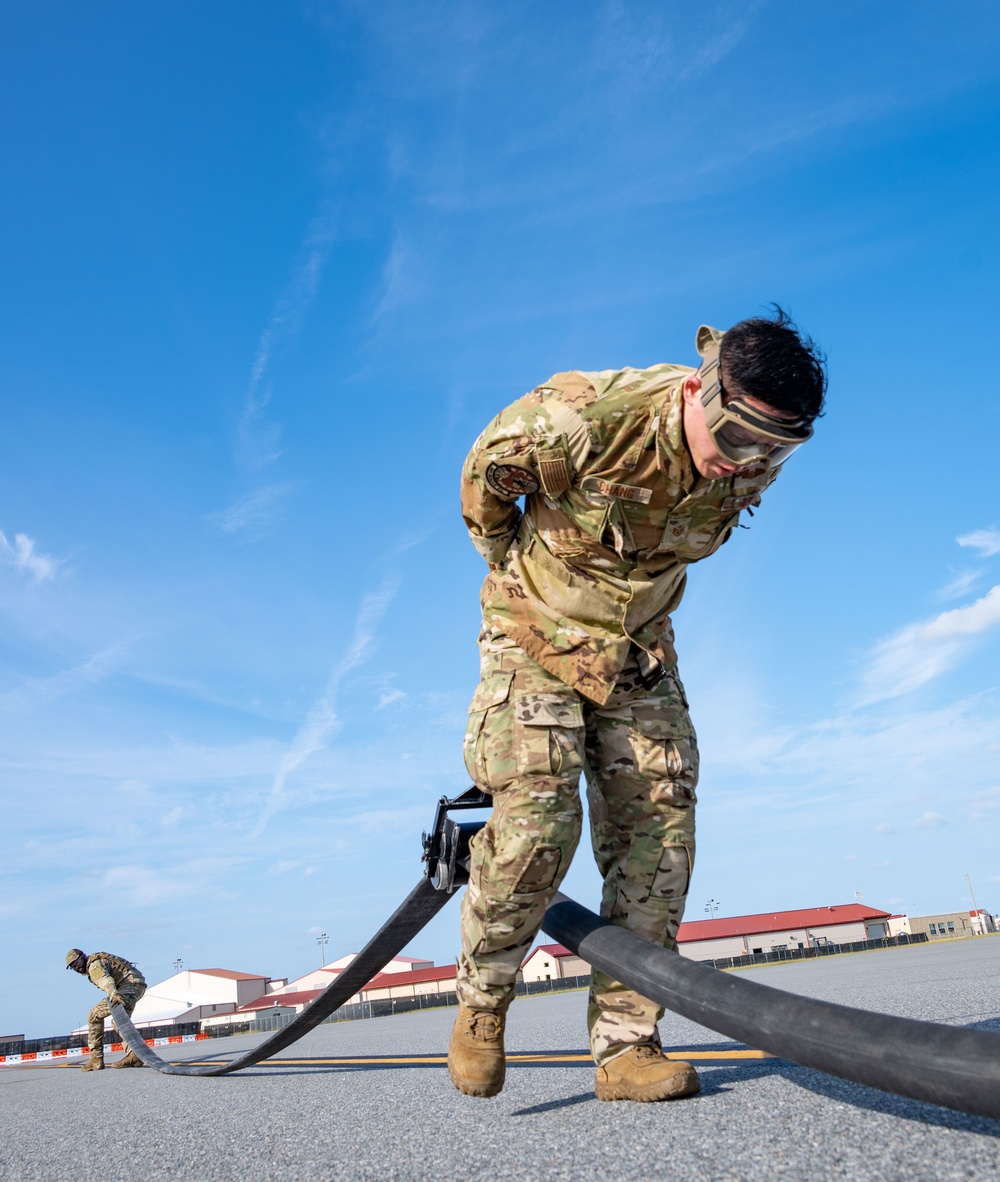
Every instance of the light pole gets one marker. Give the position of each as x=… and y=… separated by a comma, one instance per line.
x=321, y=940
x=178, y=965
x=975, y=909
x=712, y=906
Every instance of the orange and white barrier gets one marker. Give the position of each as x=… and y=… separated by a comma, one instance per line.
x=55, y=1055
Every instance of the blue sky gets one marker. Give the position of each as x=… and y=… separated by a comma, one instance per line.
x=269, y=269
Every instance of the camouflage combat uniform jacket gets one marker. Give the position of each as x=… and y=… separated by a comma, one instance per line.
x=113, y=974
x=615, y=512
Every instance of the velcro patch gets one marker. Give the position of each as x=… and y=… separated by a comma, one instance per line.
x=624, y=492
x=735, y=504
x=540, y=872
x=553, y=469
x=511, y=480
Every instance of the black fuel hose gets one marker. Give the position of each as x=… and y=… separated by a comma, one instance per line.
x=413, y=914
x=948, y=1065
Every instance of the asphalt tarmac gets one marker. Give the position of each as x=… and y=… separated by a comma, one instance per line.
x=391, y=1112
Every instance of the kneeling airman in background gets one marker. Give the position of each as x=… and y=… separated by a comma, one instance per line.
x=124, y=985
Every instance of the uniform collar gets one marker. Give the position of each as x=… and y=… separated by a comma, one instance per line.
x=672, y=452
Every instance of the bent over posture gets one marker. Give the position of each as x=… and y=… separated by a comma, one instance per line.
x=628, y=476
x=124, y=985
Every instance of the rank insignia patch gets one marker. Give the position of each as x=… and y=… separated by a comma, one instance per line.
x=508, y=480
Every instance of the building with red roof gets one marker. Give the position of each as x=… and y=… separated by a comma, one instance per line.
x=384, y=986
x=193, y=994
x=746, y=935
x=435, y=979
x=552, y=962
x=738, y=935
x=321, y=977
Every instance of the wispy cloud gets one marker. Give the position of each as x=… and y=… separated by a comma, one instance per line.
x=45, y=690
x=257, y=440
x=223, y=767
x=23, y=556
x=730, y=32
x=284, y=865
x=136, y=885
x=255, y=512
x=961, y=582
x=985, y=804
x=889, y=761
x=257, y=445
x=399, y=279
x=321, y=721
x=920, y=652
x=986, y=541
x=295, y=299
x=930, y=820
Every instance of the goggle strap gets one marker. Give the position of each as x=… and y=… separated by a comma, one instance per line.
x=780, y=430
x=711, y=379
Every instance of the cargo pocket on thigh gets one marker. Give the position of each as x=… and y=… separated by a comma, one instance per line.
x=548, y=735
x=489, y=740
x=655, y=874
x=540, y=870
x=673, y=874
x=666, y=753
x=514, y=873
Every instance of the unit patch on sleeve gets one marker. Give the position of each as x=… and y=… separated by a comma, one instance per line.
x=511, y=481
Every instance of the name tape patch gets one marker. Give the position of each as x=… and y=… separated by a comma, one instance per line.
x=624, y=492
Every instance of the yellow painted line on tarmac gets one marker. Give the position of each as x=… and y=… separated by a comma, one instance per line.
x=688, y=1055
x=747, y=1054
x=536, y=1057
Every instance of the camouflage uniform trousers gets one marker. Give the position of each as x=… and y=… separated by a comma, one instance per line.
x=529, y=737
x=130, y=992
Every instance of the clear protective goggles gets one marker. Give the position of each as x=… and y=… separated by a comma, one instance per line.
x=741, y=432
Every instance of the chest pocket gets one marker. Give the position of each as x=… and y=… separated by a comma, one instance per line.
x=701, y=524
x=693, y=538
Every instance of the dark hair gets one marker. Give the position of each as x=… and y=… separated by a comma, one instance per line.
x=769, y=358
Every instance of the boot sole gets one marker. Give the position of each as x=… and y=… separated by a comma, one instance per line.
x=681, y=1085
x=470, y=1087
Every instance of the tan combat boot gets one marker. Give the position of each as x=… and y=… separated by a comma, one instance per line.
x=94, y=1063
x=645, y=1073
x=476, y=1064
x=130, y=1060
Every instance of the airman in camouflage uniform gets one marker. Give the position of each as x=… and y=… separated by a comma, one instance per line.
x=124, y=985
x=622, y=492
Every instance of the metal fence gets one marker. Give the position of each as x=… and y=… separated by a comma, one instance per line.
x=386, y=1006
x=224, y=1030
x=781, y=954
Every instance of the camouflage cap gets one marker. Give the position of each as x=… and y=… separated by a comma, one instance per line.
x=73, y=956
